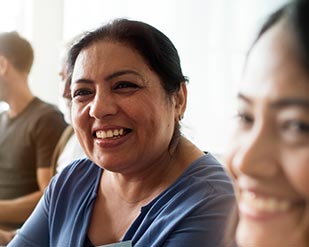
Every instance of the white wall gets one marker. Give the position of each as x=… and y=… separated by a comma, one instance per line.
x=46, y=34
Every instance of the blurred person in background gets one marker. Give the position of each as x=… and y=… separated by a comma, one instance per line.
x=68, y=147
x=29, y=131
x=269, y=155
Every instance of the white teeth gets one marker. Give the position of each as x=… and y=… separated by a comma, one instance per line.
x=109, y=133
x=264, y=204
x=116, y=132
x=101, y=134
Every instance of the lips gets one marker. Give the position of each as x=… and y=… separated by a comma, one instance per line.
x=264, y=204
x=111, y=138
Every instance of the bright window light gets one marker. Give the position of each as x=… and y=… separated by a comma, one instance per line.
x=11, y=15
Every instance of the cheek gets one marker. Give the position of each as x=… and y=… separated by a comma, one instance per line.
x=81, y=123
x=297, y=172
x=160, y=122
x=79, y=117
x=230, y=154
x=75, y=115
x=154, y=111
x=227, y=160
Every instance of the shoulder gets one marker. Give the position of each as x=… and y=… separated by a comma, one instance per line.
x=197, y=205
x=46, y=113
x=203, y=185
x=208, y=172
x=42, y=108
x=77, y=169
x=76, y=176
x=43, y=105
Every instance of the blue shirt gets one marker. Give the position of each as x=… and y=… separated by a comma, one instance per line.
x=191, y=212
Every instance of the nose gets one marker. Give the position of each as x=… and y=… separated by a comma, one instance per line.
x=256, y=155
x=102, y=105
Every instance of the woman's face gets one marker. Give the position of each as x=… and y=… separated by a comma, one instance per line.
x=120, y=112
x=269, y=156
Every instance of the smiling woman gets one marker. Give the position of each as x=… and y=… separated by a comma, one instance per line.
x=269, y=156
x=144, y=183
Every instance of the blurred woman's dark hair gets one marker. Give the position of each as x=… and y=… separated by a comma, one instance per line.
x=296, y=15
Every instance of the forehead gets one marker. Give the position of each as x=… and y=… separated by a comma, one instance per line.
x=273, y=69
x=108, y=55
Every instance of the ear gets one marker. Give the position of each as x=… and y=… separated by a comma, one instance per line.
x=181, y=101
x=3, y=65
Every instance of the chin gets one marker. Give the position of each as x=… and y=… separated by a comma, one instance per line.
x=248, y=236
x=260, y=235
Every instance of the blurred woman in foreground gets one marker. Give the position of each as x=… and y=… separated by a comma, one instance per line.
x=269, y=158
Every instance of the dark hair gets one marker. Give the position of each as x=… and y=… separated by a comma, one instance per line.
x=17, y=50
x=156, y=48
x=296, y=14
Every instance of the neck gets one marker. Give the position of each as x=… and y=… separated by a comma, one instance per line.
x=18, y=106
x=144, y=187
x=19, y=96
x=139, y=189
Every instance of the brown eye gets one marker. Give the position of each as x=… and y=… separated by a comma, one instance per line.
x=124, y=84
x=297, y=127
x=81, y=92
x=244, y=119
x=295, y=132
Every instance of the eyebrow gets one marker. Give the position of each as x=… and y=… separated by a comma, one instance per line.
x=244, y=98
x=83, y=80
x=289, y=102
x=282, y=103
x=111, y=76
x=120, y=73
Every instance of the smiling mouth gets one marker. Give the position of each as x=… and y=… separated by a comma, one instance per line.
x=111, y=134
x=264, y=204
